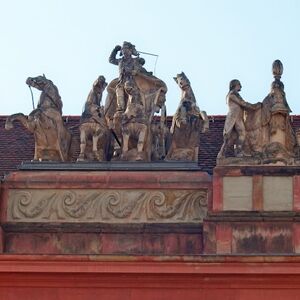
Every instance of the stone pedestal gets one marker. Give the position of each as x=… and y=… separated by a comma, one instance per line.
x=254, y=210
x=87, y=210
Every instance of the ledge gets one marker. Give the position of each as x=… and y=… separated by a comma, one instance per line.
x=111, y=166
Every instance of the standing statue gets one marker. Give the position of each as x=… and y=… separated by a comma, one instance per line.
x=93, y=124
x=52, y=138
x=132, y=100
x=234, y=129
x=187, y=124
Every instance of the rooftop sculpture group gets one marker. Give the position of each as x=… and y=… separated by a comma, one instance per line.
x=126, y=128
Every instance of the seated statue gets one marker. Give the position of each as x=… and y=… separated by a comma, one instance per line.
x=93, y=124
x=132, y=100
x=134, y=124
x=52, y=138
x=187, y=124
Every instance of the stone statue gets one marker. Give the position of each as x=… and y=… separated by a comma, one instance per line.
x=93, y=124
x=161, y=137
x=134, y=123
x=132, y=100
x=52, y=138
x=264, y=134
x=187, y=124
x=128, y=67
x=269, y=131
x=234, y=129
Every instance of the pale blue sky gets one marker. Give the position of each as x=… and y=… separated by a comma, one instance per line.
x=211, y=41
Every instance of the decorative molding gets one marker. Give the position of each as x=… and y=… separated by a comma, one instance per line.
x=109, y=206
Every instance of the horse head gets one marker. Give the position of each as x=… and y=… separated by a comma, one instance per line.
x=38, y=82
x=182, y=81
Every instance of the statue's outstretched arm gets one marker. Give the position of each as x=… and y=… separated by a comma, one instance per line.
x=239, y=100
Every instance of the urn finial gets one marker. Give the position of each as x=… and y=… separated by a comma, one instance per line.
x=277, y=69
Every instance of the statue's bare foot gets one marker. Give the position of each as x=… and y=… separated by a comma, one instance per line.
x=139, y=156
x=96, y=155
x=81, y=157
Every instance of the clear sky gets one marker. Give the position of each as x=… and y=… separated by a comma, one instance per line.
x=212, y=41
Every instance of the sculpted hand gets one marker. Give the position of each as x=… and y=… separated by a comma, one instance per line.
x=118, y=48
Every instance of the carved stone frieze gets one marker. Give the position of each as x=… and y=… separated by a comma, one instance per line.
x=109, y=206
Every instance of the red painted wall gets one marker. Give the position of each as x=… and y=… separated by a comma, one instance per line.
x=132, y=278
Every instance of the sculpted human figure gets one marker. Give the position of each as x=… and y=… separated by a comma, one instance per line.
x=234, y=128
x=93, y=124
x=52, y=138
x=134, y=122
x=128, y=67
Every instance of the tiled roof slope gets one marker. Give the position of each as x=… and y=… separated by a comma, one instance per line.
x=17, y=145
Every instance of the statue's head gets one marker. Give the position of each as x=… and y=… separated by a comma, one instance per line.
x=128, y=49
x=141, y=61
x=182, y=80
x=235, y=84
x=129, y=87
x=100, y=83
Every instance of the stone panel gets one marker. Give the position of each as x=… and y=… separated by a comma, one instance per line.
x=107, y=206
x=237, y=193
x=278, y=193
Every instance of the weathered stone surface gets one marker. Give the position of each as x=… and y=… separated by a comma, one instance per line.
x=278, y=193
x=262, y=238
x=93, y=127
x=267, y=188
x=124, y=242
x=52, y=138
x=259, y=133
x=131, y=102
x=110, y=206
x=237, y=193
x=187, y=124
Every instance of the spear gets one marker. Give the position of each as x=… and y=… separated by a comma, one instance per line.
x=151, y=54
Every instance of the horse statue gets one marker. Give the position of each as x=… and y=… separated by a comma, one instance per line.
x=93, y=124
x=144, y=97
x=187, y=124
x=52, y=138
